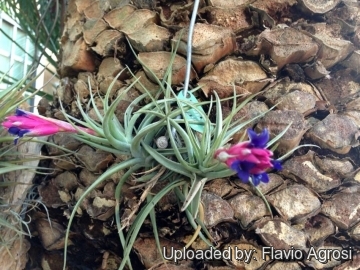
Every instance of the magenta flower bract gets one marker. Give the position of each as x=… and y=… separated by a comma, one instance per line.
x=250, y=159
x=25, y=123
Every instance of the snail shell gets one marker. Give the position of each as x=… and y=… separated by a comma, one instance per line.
x=162, y=142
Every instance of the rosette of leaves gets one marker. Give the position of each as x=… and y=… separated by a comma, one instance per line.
x=185, y=165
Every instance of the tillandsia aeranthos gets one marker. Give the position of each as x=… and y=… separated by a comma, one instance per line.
x=184, y=166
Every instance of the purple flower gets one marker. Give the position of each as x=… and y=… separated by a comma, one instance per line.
x=250, y=159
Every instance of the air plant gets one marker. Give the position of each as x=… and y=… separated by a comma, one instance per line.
x=185, y=165
x=197, y=150
x=194, y=155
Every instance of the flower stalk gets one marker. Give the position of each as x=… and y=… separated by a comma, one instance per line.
x=262, y=196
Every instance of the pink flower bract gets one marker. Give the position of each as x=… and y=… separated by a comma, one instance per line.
x=28, y=124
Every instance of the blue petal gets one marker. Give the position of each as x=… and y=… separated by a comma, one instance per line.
x=244, y=176
x=261, y=177
x=265, y=178
x=276, y=164
x=256, y=178
x=23, y=132
x=14, y=130
x=235, y=165
x=258, y=140
x=247, y=165
x=20, y=112
x=18, y=131
x=242, y=168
